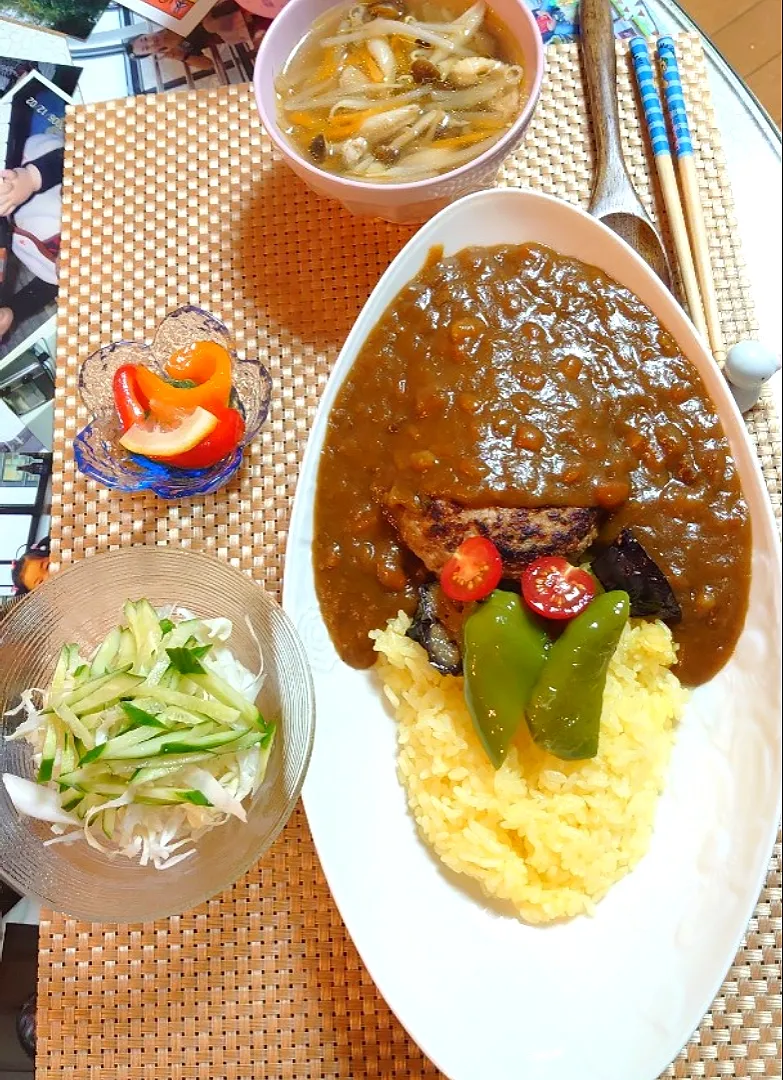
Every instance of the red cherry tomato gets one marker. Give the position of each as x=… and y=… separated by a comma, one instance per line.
x=556, y=589
x=132, y=407
x=221, y=442
x=473, y=571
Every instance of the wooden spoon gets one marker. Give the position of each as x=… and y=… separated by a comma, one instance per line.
x=614, y=200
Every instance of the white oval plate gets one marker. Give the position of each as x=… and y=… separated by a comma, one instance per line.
x=613, y=997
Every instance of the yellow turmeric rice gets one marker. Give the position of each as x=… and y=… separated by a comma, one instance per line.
x=549, y=836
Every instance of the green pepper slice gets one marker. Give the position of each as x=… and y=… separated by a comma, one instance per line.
x=564, y=714
x=504, y=652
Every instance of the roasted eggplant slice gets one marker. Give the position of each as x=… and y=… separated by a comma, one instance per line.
x=626, y=565
x=443, y=651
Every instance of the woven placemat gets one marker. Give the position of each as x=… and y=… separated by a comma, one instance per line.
x=178, y=198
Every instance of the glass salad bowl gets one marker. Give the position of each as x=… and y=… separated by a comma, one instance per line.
x=82, y=604
x=97, y=448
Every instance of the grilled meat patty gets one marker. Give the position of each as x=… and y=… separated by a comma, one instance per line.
x=435, y=528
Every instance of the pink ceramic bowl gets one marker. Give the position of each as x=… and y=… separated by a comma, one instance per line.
x=400, y=203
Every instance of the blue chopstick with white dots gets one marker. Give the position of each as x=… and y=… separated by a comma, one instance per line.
x=651, y=103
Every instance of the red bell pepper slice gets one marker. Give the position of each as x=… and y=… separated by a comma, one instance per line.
x=221, y=442
x=132, y=406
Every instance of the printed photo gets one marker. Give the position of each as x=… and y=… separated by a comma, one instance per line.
x=74, y=18
x=15, y=436
x=31, y=153
x=12, y=70
x=179, y=16
x=30, y=569
x=26, y=429
x=25, y=509
x=27, y=392
x=129, y=55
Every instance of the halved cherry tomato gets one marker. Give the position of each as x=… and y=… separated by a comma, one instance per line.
x=555, y=589
x=132, y=406
x=473, y=571
x=221, y=442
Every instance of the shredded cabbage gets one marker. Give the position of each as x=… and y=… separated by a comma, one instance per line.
x=127, y=760
x=35, y=800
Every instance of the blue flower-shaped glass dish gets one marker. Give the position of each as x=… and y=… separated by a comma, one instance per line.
x=97, y=448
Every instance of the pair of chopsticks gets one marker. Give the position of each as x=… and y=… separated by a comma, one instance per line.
x=690, y=240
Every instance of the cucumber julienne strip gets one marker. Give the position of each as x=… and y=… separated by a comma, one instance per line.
x=175, y=717
x=108, y=819
x=196, y=798
x=82, y=777
x=186, y=661
x=212, y=741
x=106, y=653
x=71, y=800
x=172, y=796
x=120, y=742
x=145, y=627
x=49, y=752
x=218, y=688
x=213, y=709
x=89, y=802
x=123, y=685
x=69, y=757
x=110, y=787
x=165, y=766
x=142, y=742
x=140, y=717
x=126, y=653
x=87, y=686
x=167, y=763
x=67, y=662
x=75, y=725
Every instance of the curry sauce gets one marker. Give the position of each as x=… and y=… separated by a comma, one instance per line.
x=516, y=377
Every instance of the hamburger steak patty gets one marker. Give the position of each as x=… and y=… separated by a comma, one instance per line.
x=435, y=528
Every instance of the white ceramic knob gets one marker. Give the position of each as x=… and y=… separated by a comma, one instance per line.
x=749, y=364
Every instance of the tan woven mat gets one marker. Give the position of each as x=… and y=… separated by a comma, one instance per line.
x=179, y=198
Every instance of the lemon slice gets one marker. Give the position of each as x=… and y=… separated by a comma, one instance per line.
x=165, y=442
